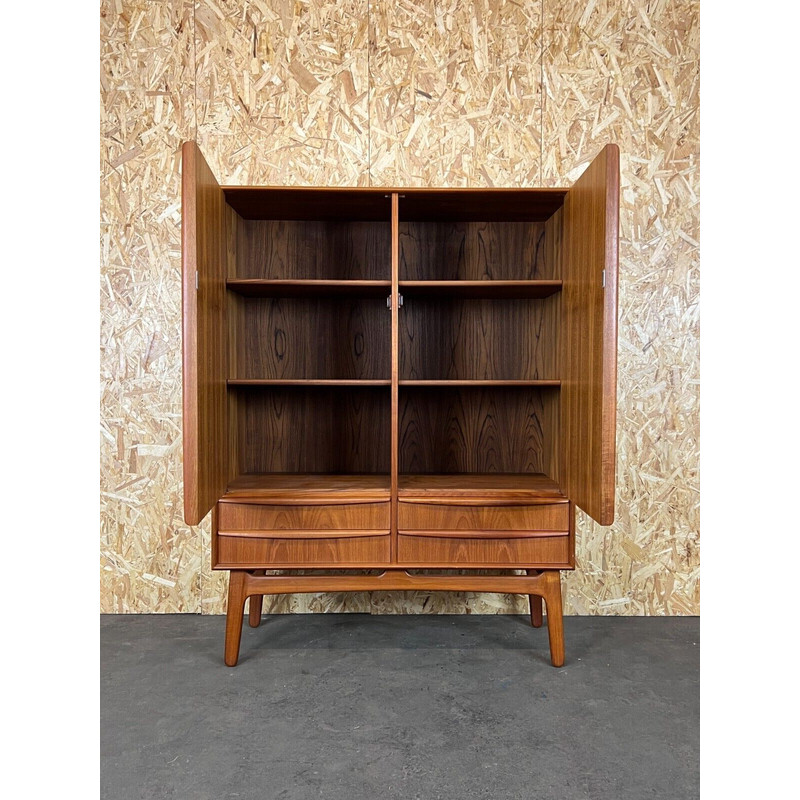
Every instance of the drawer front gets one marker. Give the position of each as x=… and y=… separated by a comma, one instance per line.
x=325, y=551
x=448, y=550
x=433, y=516
x=349, y=516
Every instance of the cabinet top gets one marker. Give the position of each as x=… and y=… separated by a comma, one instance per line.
x=374, y=203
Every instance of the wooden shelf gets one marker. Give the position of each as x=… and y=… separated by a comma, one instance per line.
x=306, y=382
x=282, y=486
x=486, y=289
x=481, y=486
x=454, y=383
x=257, y=287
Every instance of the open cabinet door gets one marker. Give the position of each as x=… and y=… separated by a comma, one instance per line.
x=589, y=358
x=205, y=357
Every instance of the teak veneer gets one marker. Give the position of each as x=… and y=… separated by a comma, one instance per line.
x=404, y=382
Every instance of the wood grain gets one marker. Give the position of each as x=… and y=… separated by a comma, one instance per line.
x=254, y=616
x=326, y=430
x=395, y=409
x=589, y=359
x=233, y=624
x=313, y=250
x=481, y=488
x=288, y=287
x=498, y=289
x=430, y=516
x=503, y=205
x=455, y=339
x=309, y=203
x=355, y=382
x=205, y=354
x=476, y=430
x=545, y=584
x=474, y=251
x=535, y=602
x=355, y=516
x=468, y=382
x=551, y=592
x=291, y=552
x=281, y=488
x=311, y=338
x=455, y=92
x=448, y=551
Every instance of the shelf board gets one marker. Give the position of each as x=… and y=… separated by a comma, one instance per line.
x=529, y=487
x=487, y=289
x=257, y=287
x=279, y=487
x=306, y=382
x=434, y=383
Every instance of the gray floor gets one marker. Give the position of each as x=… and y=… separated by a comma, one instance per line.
x=350, y=706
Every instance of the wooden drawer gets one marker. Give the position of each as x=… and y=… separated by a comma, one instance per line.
x=340, y=517
x=449, y=548
x=326, y=550
x=439, y=516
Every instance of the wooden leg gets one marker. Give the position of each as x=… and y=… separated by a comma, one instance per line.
x=233, y=626
x=256, y=601
x=555, y=621
x=536, y=604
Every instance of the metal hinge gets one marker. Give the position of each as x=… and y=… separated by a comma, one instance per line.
x=399, y=301
x=604, y=279
x=197, y=280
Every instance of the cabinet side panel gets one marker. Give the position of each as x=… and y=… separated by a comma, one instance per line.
x=589, y=358
x=205, y=356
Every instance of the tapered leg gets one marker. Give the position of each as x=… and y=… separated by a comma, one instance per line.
x=536, y=604
x=555, y=621
x=233, y=626
x=255, y=604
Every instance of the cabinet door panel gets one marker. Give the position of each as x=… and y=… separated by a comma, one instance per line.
x=590, y=219
x=205, y=357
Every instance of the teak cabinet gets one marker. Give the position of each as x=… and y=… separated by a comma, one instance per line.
x=400, y=381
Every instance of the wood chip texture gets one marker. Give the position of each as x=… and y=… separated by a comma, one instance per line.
x=406, y=93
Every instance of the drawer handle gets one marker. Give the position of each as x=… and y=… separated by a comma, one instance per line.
x=482, y=502
x=304, y=533
x=483, y=534
x=303, y=501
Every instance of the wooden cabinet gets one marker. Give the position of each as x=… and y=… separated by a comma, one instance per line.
x=398, y=380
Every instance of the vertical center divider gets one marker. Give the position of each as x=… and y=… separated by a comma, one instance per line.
x=395, y=305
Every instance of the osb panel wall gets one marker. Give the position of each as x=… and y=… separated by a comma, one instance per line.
x=626, y=71
x=345, y=92
x=150, y=560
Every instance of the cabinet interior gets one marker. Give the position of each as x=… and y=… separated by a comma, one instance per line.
x=310, y=336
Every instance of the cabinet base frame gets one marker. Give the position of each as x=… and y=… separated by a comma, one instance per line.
x=538, y=585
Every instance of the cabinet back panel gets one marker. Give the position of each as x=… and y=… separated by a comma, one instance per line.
x=475, y=251
x=450, y=339
x=295, y=429
x=312, y=338
x=274, y=249
x=478, y=430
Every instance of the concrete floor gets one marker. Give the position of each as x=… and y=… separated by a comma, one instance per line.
x=351, y=706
